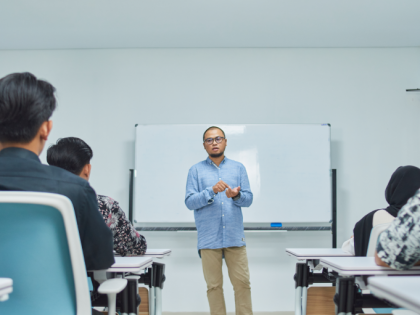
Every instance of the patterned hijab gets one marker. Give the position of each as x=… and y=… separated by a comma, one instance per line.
x=404, y=182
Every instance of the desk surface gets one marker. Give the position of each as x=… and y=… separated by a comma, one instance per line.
x=156, y=253
x=362, y=266
x=402, y=291
x=130, y=264
x=316, y=253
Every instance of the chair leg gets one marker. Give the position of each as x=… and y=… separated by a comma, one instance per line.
x=112, y=299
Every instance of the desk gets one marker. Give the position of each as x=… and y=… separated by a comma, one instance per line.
x=123, y=264
x=155, y=287
x=157, y=253
x=349, y=299
x=130, y=264
x=6, y=287
x=402, y=291
x=126, y=266
x=316, y=253
x=358, y=266
x=308, y=258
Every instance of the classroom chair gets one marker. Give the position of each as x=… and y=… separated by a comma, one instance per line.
x=373, y=239
x=6, y=287
x=41, y=251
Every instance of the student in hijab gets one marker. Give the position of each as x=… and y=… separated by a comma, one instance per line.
x=404, y=182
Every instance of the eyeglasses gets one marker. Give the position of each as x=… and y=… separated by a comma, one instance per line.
x=211, y=140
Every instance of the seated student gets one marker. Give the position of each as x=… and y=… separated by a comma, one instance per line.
x=403, y=184
x=74, y=155
x=398, y=247
x=26, y=105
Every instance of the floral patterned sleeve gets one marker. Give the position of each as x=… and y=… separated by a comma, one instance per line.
x=127, y=241
x=399, y=245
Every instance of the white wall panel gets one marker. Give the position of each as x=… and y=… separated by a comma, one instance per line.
x=361, y=92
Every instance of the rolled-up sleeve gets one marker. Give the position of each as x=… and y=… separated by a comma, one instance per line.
x=399, y=245
x=246, y=198
x=195, y=199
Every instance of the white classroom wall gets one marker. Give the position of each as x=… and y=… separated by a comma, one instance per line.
x=360, y=92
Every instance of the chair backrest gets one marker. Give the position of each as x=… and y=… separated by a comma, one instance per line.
x=374, y=234
x=40, y=250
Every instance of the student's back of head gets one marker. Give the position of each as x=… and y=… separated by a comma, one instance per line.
x=74, y=155
x=26, y=105
x=71, y=154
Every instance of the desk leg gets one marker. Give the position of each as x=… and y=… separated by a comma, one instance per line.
x=298, y=301
x=159, y=273
x=158, y=294
x=350, y=296
x=304, y=299
x=132, y=296
x=152, y=305
x=344, y=296
x=305, y=284
x=124, y=301
x=300, y=267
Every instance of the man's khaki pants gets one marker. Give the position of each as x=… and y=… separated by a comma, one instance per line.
x=237, y=263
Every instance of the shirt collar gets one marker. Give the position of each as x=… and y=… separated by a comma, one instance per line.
x=209, y=161
x=19, y=153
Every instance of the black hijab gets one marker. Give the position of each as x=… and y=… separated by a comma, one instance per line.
x=403, y=184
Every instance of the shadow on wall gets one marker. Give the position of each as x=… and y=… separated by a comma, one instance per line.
x=129, y=154
x=342, y=195
x=128, y=163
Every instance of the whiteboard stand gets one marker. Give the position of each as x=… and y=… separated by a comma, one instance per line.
x=131, y=196
x=334, y=207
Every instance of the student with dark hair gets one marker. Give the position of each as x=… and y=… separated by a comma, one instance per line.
x=26, y=106
x=403, y=184
x=74, y=155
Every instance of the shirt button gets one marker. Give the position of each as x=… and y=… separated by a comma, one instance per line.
x=219, y=178
x=222, y=202
x=223, y=227
x=223, y=215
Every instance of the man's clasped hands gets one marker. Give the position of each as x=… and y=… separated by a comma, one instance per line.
x=222, y=186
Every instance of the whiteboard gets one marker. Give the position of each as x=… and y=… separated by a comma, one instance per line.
x=288, y=165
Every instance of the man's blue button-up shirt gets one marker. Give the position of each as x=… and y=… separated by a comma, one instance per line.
x=218, y=219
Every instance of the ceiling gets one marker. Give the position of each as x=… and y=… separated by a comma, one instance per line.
x=77, y=24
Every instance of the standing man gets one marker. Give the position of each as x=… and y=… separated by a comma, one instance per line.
x=217, y=188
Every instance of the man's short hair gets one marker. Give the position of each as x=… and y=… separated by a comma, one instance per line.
x=213, y=127
x=71, y=154
x=25, y=103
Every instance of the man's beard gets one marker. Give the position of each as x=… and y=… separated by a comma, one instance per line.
x=217, y=155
